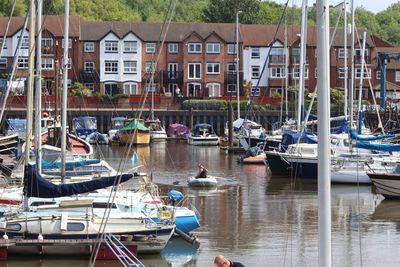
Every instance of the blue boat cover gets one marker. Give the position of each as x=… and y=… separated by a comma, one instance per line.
x=290, y=138
x=379, y=147
x=36, y=186
x=69, y=164
x=355, y=136
x=175, y=195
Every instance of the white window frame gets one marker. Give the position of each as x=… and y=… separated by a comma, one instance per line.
x=112, y=66
x=3, y=63
x=47, y=42
x=357, y=52
x=275, y=90
x=367, y=73
x=69, y=83
x=88, y=47
x=47, y=63
x=89, y=86
x=215, y=68
x=192, y=48
x=232, y=49
x=255, y=52
x=89, y=66
x=196, y=84
x=281, y=74
x=211, y=89
x=173, y=48
x=378, y=74
x=255, y=91
x=69, y=43
x=150, y=48
x=22, y=63
x=228, y=67
x=253, y=72
x=5, y=42
x=397, y=76
x=342, y=53
x=172, y=88
x=132, y=69
x=130, y=47
x=130, y=88
x=296, y=73
x=213, y=48
x=24, y=42
x=195, y=65
x=111, y=46
x=150, y=66
x=341, y=73
x=229, y=88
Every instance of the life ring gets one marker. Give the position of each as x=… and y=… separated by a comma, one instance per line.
x=45, y=114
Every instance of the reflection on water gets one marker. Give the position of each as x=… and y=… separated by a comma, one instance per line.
x=261, y=220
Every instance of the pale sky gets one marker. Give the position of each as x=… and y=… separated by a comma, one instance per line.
x=371, y=5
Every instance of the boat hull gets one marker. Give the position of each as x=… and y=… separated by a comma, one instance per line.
x=388, y=185
x=202, y=182
x=139, y=137
x=203, y=141
x=276, y=164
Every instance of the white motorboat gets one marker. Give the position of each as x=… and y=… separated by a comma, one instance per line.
x=203, y=135
x=209, y=181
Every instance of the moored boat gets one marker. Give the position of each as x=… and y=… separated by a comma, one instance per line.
x=203, y=134
x=157, y=130
x=134, y=131
x=387, y=183
x=209, y=181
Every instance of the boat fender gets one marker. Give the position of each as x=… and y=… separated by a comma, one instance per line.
x=175, y=196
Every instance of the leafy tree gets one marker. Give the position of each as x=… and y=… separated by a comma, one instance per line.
x=6, y=6
x=225, y=11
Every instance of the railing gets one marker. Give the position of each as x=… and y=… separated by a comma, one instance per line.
x=89, y=76
x=230, y=77
x=277, y=59
x=173, y=76
x=295, y=60
x=47, y=50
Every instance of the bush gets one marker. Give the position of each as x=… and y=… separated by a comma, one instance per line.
x=211, y=104
x=78, y=89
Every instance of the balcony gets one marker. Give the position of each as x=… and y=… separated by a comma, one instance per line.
x=295, y=60
x=230, y=77
x=146, y=76
x=358, y=59
x=173, y=76
x=277, y=59
x=47, y=50
x=89, y=77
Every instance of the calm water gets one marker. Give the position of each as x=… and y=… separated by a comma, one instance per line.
x=260, y=220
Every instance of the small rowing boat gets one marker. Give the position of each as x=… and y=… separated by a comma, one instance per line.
x=210, y=181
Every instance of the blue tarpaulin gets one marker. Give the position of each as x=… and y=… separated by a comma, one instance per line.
x=355, y=136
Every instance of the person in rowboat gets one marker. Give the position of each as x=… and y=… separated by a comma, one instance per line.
x=222, y=261
x=202, y=173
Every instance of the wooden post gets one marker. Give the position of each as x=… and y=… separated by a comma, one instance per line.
x=191, y=118
x=230, y=124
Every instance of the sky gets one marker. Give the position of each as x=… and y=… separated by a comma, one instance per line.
x=371, y=5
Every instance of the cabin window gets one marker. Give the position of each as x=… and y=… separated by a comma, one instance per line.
x=41, y=203
x=75, y=227
x=13, y=227
x=103, y=205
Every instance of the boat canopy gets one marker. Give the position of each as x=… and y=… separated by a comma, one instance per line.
x=379, y=147
x=200, y=128
x=237, y=124
x=85, y=123
x=178, y=130
x=153, y=125
x=117, y=122
x=68, y=164
x=290, y=138
x=17, y=125
x=134, y=124
x=355, y=136
x=36, y=186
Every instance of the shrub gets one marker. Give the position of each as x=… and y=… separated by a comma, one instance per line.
x=199, y=104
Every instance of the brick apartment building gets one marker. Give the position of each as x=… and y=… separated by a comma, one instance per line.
x=196, y=59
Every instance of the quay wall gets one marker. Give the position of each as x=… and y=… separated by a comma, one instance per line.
x=217, y=118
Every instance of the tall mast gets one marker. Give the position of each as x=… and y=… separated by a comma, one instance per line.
x=345, y=59
x=351, y=88
x=303, y=42
x=324, y=175
x=29, y=100
x=237, y=64
x=286, y=71
x=38, y=88
x=64, y=92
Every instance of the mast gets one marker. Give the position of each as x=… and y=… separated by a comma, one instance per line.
x=286, y=71
x=351, y=88
x=324, y=175
x=237, y=64
x=38, y=88
x=29, y=100
x=345, y=59
x=303, y=42
x=64, y=92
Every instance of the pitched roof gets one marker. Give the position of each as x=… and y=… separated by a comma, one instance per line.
x=150, y=32
x=262, y=35
x=54, y=24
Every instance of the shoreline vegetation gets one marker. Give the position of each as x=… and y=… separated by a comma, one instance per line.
x=384, y=24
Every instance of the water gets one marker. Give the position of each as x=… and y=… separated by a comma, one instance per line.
x=257, y=219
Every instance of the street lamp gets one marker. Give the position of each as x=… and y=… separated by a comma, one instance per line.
x=237, y=63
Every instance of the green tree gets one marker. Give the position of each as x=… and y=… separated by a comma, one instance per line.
x=6, y=6
x=225, y=11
